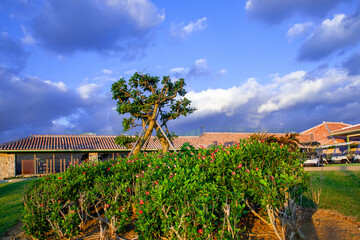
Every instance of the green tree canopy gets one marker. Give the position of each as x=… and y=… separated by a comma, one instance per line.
x=146, y=98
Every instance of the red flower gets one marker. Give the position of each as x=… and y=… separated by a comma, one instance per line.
x=257, y=169
x=247, y=170
x=60, y=178
x=141, y=212
x=200, y=231
x=141, y=202
x=147, y=193
x=41, y=205
x=271, y=178
x=128, y=189
x=240, y=165
x=233, y=173
x=108, y=169
x=47, y=178
x=156, y=182
x=84, y=172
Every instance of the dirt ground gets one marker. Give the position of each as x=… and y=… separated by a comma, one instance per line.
x=323, y=225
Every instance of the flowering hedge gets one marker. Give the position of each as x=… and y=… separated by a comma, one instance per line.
x=193, y=194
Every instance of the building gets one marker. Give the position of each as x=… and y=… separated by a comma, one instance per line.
x=42, y=154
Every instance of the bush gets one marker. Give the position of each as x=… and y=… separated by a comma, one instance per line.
x=192, y=194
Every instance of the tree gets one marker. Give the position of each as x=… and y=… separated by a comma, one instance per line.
x=145, y=98
x=263, y=137
x=291, y=140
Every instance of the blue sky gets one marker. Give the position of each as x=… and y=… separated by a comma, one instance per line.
x=269, y=64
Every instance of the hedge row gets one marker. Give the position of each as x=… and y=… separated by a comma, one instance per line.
x=192, y=194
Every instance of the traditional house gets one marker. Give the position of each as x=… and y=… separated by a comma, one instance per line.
x=42, y=154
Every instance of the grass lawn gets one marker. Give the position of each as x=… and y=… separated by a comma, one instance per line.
x=10, y=204
x=340, y=191
x=337, y=165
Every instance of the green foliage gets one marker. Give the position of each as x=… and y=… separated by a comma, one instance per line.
x=146, y=98
x=289, y=139
x=124, y=140
x=193, y=194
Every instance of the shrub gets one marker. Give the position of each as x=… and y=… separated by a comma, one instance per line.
x=192, y=194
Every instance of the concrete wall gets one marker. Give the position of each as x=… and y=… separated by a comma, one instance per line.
x=93, y=157
x=7, y=165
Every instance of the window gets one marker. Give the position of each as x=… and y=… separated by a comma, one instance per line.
x=105, y=156
x=62, y=162
x=80, y=157
x=44, y=163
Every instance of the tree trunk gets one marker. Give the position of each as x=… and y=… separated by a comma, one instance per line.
x=165, y=144
x=146, y=136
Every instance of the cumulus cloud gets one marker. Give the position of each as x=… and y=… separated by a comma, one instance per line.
x=339, y=33
x=292, y=102
x=226, y=101
x=352, y=64
x=36, y=106
x=91, y=25
x=59, y=85
x=31, y=102
x=199, y=68
x=182, y=31
x=298, y=29
x=28, y=38
x=298, y=88
x=12, y=53
x=86, y=90
x=107, y=71
x=276, y=11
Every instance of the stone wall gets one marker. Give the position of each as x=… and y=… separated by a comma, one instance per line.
x=7, y=165
x=93, y=157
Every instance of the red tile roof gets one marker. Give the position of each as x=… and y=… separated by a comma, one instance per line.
x=79, y=142
x=346, y=130
x=321, y=132
x=107, y=143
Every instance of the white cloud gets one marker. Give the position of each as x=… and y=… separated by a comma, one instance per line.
x=179, y=70
x=199, y=68
x=225, y=101
x=299, y=29
x=107, y=71
x=28, y=38
x=339, y=33
x=59, y=85
x=181, y=31
x=276, y=11
x=143, y=12
x=222, y=71
x=130, y=72
x=298, y=89
x=124, y=26
x=86, y=90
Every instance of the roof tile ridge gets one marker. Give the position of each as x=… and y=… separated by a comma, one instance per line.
x=16, y=141
x=344, y=128
x=313, y=127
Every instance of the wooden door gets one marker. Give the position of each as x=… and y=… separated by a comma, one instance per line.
x=27, y=166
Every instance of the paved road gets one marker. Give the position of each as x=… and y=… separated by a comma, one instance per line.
x=333, y=168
